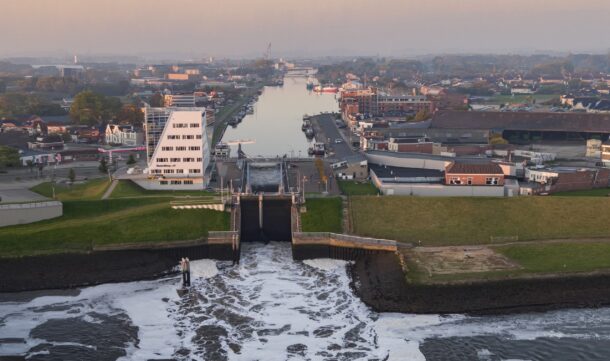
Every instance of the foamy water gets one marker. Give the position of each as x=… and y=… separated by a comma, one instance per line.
x=271, y=308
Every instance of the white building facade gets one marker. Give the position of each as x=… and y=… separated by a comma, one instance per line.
x=177, y=148
x=123, y=135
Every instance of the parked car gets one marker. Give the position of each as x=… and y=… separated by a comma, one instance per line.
x=338, y=141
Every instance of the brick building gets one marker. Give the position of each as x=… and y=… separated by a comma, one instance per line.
x=475, y=174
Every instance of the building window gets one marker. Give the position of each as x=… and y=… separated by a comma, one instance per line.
x=168, y=171
x=188, y=159
x=173, y=137
x=199, y=159
x=167, y=148
x=179, y=171
x=188, y=137
x=180, y=148
x=491, y=180
x=161, y=160
x=455, y=180
x=194, y=170
x=176, y=182
x=180, y=125
x=194, y=125
x=469, y=181
x=174, y=160
x=163, y=182
x=188, y=182
x=198, y=136
x=194, y=148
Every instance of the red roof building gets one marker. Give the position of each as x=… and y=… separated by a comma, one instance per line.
x=474, y=174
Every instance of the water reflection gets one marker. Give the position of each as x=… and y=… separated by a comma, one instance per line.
x=275, y=125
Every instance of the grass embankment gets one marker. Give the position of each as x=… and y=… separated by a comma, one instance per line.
x=551, y=257
x=323, y=215
x=600, y=192
x=353, y=188
x=463, y=221
x=129, y=189
x=86, y=224
x=92, y=189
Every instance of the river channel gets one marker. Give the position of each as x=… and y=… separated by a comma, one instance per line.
x=275, y=125
x=272, y=308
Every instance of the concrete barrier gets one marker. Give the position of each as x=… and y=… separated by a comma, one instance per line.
x=23, y=213
x=307, y=245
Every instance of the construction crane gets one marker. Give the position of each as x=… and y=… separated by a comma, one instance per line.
x=268, y=52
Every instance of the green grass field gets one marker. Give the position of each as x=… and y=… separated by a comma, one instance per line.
x=90, y=190
x=127, y=188
x=461, y=221
x=552, y=257
x=601, y=192
x=105, y=222
x=323, y=215
x=353, y=188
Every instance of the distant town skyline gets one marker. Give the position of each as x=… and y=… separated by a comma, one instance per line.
x=241, y=28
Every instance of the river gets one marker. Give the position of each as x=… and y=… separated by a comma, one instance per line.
x=275, y=125
x=272, y=308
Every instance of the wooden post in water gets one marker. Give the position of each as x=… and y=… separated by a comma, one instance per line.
x=260, y=211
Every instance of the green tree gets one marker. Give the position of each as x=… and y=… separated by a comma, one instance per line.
x=9, y=157
x=131, y=160
x=71, y=175
x=130, y=114
x=103, y=167
x=92, y=108
x=421, y=115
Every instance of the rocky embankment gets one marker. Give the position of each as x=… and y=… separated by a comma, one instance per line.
x=379, y=281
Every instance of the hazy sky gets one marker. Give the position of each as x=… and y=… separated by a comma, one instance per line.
x=301, y=27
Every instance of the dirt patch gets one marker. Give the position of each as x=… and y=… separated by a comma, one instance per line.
x=455, y=260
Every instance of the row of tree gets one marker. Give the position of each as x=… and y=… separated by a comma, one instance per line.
x=92, y=108
x=16, y=104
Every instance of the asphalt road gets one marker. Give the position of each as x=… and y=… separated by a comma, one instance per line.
x=326, y=131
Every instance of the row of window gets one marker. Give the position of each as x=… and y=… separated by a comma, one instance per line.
x=174, y=160
x=488, y=180
x=181, y=148
x=185, y=136
x=175, y=171
x=186, y=181
x=186, y=125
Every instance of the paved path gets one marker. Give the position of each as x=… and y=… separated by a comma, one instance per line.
x=110, y=189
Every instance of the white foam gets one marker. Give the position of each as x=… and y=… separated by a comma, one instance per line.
x=281, y=290
x=325, y=264
x=203, y=268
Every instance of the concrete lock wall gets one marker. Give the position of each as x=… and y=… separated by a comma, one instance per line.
x=273, y=225
x=12, y=214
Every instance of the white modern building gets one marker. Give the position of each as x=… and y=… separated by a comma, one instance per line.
x=177, y=148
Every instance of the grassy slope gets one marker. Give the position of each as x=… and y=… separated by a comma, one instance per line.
x=323, y=215
x=93, y=189
x=601, y=192
x=87, y=223
x=127, y=188
x=352, y=188
x=559, y=257
x=455, y=221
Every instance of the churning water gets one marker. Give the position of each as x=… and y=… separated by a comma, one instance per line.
x=272, y=308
